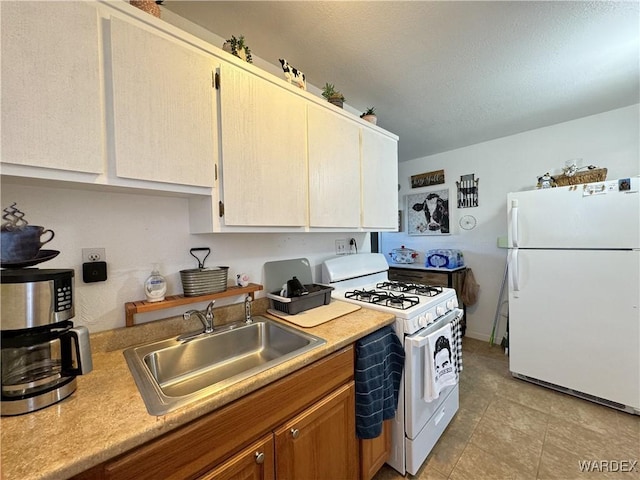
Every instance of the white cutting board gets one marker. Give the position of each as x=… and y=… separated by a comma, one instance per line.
x=318, y=315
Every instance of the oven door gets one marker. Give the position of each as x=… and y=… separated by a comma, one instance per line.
x=418, y=411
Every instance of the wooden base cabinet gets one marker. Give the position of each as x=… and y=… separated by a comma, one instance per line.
x=256, y=462
x=374, y=452
x=299, y=427
x=320, y=442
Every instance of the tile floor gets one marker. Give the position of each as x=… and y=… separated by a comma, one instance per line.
x=510, y=429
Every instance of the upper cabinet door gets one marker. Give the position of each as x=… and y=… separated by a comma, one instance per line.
x=334, y=169
x=379, y=181
x=52, y=108
x=264, y=167
x=165, y=115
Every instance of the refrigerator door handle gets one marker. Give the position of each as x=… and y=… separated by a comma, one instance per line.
x=514, y=223
x=514, y=268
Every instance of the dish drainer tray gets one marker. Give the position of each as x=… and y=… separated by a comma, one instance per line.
x=318, y=295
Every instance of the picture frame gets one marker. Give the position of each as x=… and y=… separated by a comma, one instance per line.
x=428, y=213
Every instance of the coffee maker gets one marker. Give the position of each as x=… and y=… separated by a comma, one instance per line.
x=41, y=351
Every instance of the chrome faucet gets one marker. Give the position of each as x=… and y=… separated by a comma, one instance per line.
x=247, y=309
x=205, y=316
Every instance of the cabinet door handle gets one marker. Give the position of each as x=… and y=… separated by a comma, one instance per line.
x=259, y=457
x=295, y=433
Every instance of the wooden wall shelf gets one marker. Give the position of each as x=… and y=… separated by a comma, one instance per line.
x=143, y=306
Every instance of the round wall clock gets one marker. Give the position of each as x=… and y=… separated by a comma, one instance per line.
x=468, y=222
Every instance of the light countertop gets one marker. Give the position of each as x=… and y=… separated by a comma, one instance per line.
x=106, y=415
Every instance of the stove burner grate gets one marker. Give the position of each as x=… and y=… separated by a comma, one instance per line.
x=398, y=301
x=414, y=288
x=367, y=296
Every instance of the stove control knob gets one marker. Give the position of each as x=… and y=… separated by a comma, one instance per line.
x=451, y=304
x=422, y=320
x=429, y=318
x=440, y=310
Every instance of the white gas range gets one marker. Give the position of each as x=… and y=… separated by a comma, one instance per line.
x=420, y=310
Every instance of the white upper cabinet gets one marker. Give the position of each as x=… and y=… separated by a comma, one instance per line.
x=51, y=95
x=164, y=110
x=264, y=165
x=379, y=181
x=334, y=169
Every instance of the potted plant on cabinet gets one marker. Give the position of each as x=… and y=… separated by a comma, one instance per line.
x=332, y=95
x=237, y=47
x=370, y=115
x=149, y=6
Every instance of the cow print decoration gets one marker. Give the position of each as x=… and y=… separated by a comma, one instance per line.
x=293, y=75
x=428, y=213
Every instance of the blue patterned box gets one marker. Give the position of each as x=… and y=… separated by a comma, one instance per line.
x=444, y=258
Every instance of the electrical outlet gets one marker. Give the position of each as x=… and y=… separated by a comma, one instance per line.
x=341, y=246
x=93, y=255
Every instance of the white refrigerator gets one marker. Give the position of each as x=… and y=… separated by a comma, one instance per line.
x=574, y=290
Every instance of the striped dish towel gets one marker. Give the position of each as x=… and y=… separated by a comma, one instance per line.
x=379, y=366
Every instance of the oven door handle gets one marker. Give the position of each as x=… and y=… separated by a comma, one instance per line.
x=419, y=341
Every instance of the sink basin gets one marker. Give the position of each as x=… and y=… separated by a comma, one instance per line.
x=174, y=372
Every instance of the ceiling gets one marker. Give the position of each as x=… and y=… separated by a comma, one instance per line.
x=447, y=74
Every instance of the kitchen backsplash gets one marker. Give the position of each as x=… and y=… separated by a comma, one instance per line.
x=139, y=230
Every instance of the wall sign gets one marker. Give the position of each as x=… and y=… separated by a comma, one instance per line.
x=427, y=179
x=468, y=191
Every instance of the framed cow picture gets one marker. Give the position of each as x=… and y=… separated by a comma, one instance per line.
x=428, y=213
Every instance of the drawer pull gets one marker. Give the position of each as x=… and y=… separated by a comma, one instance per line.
x=295, y=433
x=259, y=457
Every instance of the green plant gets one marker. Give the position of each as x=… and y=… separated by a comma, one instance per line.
x=329, y=91
x=237, y=44
x=369, y=111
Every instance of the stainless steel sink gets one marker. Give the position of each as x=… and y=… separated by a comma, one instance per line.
x=174, y=372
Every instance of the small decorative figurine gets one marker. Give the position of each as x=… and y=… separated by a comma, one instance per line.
x=546, y=181
x=293, y=75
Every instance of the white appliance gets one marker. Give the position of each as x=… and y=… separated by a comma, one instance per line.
x=419, y=310
x=574, y=290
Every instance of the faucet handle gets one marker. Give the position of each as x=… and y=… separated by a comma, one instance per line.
x=247, y=308
x=209, y=309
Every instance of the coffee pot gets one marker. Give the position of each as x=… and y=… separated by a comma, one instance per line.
x=41, y=350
